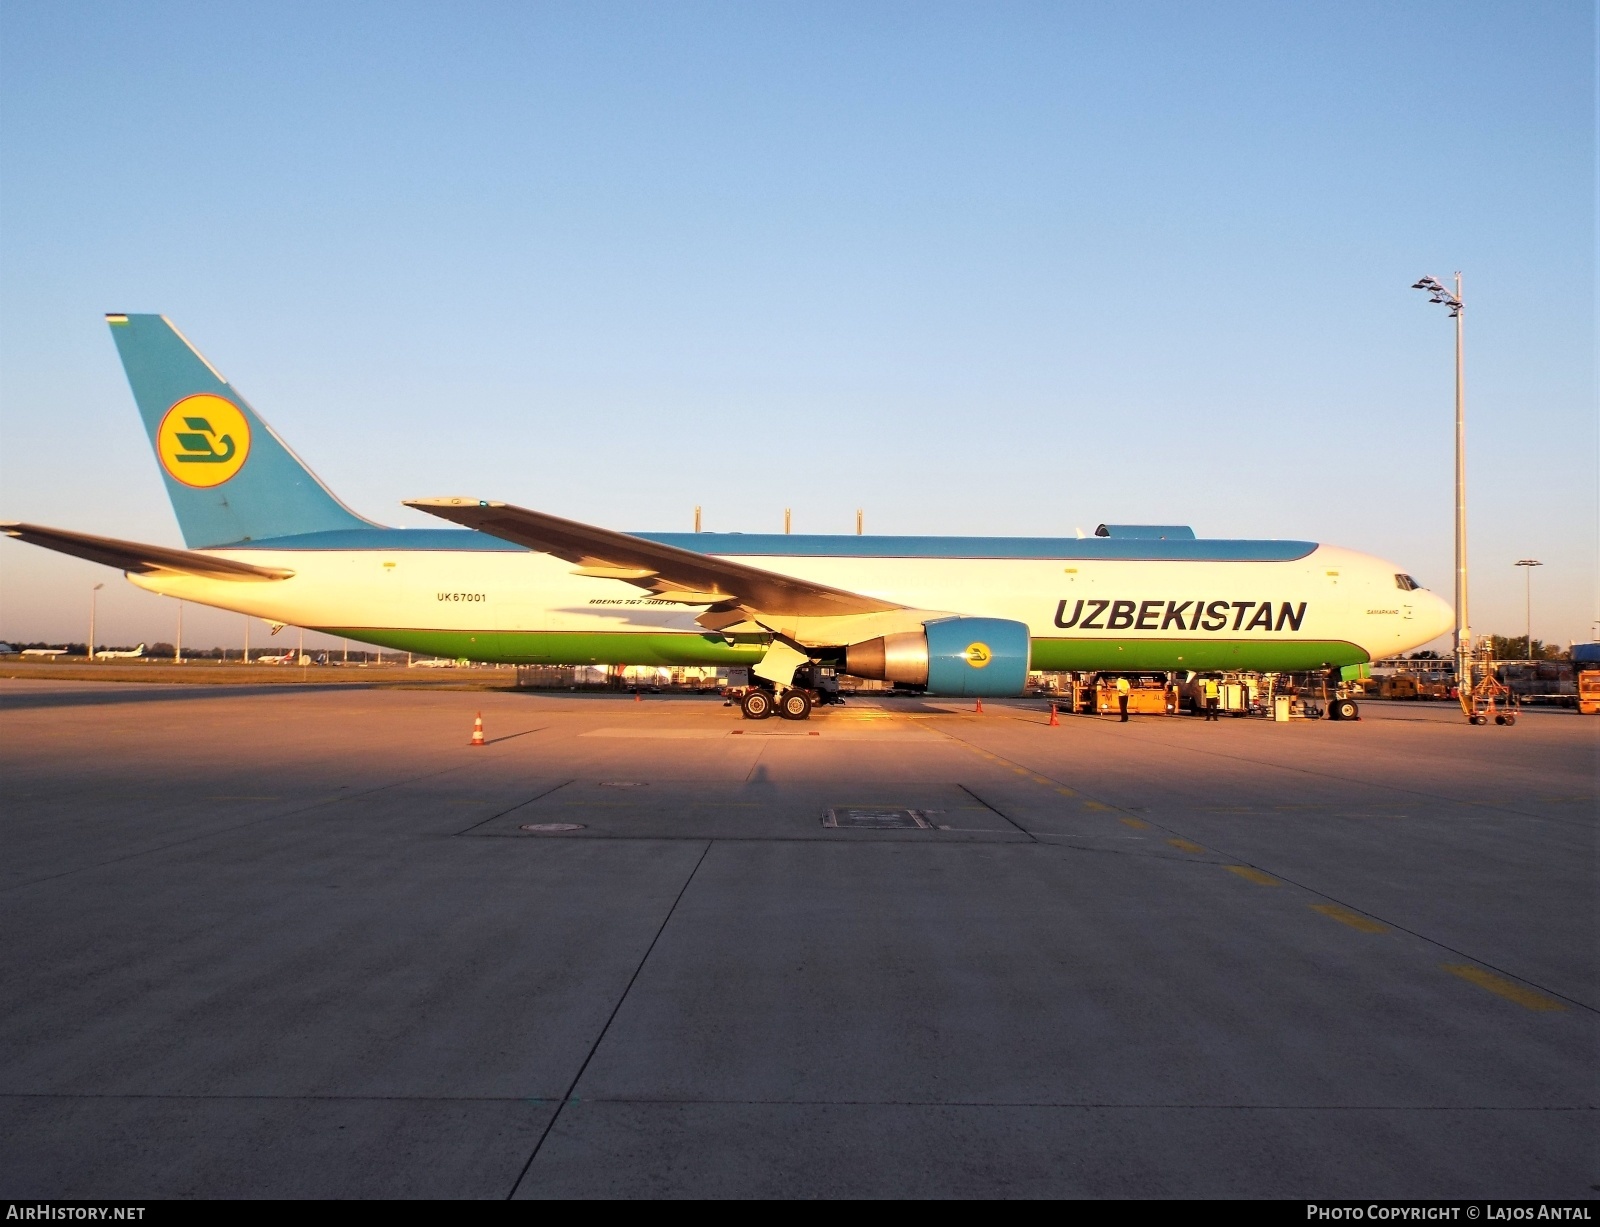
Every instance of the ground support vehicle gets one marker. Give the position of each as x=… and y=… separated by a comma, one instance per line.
x=1147, y=696
x=1485, y=695
x=1238, y=694
x=1589, y=691
x=1314, y=695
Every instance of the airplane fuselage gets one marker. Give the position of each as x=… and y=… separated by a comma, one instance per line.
x=1089, y=604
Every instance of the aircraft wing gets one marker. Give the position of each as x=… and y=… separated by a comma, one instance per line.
x=138, y=558
x=671, y=573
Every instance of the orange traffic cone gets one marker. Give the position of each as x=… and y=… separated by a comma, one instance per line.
x=979, y=707
x=1055, y=722
x=637, y=697
x=477, y=731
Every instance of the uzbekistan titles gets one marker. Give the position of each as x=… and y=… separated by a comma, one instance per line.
x=1179, y=615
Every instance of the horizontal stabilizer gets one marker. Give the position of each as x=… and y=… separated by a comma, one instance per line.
x=138, y=558
x=674, y=574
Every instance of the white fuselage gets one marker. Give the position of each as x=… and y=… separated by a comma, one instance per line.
x=1329, y=595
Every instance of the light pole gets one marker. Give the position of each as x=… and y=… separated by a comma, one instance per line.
x=92, y=591
x=1527, y=565
x=1452, y=300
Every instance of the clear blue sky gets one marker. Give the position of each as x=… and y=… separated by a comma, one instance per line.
x=980, y=268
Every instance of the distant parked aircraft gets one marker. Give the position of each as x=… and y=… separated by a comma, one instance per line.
x=52, y=653
x=108, y=654
x=282, y=658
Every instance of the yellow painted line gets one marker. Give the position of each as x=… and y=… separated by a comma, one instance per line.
x=1134, y=823
x=1346, y=917
x=1095, y=805
x=1066, y=792
x=1186, y=845
x=1254, y=875
x=1509, y=989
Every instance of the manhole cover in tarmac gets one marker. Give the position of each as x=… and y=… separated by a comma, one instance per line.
x=620, y=784
x=876, y=818
x=550, y=828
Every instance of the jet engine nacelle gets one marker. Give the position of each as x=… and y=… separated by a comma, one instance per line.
x=950, y=656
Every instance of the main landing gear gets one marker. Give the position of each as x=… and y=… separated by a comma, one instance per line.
x=758, y=704
x=813, y=686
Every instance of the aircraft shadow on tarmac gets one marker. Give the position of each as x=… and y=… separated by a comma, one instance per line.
x=24, y=701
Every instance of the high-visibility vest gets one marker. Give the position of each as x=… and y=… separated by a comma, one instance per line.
x=1122, y=685
x=1210, y=688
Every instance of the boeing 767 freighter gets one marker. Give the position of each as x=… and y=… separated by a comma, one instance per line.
x=958, y=616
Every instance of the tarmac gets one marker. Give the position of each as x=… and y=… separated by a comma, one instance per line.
x=305, y=942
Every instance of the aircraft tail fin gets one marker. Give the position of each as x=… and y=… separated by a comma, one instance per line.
x=230, y=478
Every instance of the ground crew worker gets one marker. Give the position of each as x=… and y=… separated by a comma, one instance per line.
x=1213, y=695
x=1122, y=697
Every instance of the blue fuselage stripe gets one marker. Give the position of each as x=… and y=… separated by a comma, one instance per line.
x=784, y=545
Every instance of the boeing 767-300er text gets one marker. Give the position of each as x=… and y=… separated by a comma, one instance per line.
x=958, y=616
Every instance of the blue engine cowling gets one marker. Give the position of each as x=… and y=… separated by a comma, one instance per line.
x=977, y=656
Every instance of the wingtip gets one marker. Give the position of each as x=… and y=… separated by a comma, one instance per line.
x=454, y=501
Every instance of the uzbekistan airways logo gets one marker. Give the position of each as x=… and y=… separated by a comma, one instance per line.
x=978, y=655
x=203, y=440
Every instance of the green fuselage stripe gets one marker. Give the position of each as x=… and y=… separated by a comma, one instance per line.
x=563, y=648
x=1254, y=655
x=687, y=648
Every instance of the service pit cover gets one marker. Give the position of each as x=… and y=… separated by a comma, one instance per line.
x=875, y=818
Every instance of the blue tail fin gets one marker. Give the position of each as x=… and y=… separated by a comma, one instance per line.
x=229, y=477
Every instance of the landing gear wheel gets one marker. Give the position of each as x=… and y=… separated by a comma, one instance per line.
x=756, y=705
x=795, y=705
x=1345, y=709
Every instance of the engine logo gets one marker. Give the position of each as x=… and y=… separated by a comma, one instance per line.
x=203, y=440
x=978, y=655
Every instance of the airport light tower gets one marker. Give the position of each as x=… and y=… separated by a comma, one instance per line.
x=1527, y=565
x=96, y=589
x=1452, y=301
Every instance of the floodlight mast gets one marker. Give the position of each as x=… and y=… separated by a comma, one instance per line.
x=1527, y=565
x=1453, y=301
x=92, y=593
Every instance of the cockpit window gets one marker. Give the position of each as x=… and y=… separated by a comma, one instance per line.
x=1405, y=583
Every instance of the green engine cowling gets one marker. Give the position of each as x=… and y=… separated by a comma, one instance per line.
x=972, y=657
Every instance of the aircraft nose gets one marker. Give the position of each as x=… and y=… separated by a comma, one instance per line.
x=1435, y=614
